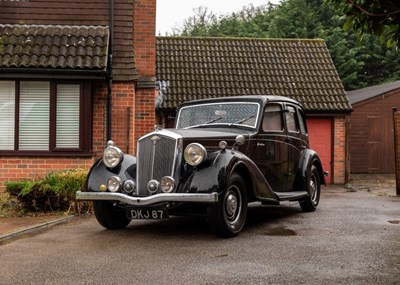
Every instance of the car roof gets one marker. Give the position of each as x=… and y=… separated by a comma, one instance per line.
x=264, y=99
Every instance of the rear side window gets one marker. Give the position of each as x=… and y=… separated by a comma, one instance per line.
x=291, y=119
x=272, y=121
x=302, y=123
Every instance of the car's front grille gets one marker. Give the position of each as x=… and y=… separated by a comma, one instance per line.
x=156, y=159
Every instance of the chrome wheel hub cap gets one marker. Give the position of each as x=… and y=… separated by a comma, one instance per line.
x=313, y=190
x=231, y=205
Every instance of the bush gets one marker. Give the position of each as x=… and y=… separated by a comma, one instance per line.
x=55, y=192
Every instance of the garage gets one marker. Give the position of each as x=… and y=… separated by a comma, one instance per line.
x=320, y=137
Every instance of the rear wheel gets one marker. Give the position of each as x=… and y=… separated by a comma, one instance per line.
x=109, y=216
x=228, y=216
x=310, y=203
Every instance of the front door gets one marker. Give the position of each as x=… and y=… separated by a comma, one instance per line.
x=271, y=153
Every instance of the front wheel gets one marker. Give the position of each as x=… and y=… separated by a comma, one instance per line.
x=310, y=203
x=228, y=216
x=110, y=216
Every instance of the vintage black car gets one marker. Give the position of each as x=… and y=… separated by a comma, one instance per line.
x=222, y=154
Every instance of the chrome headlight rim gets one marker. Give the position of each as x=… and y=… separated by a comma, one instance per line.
x=114, y=184
x=195, y=154
x=129, y=186
x=167, y=184
x=112, y=156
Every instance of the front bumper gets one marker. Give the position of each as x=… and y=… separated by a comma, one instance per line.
x=149, y=200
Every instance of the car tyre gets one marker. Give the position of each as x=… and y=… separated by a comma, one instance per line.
x=109, y=216
x=310, y=203
x=228, y=216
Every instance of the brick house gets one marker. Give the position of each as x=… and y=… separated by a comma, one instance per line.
x=371, y=123
x=197, y=68
x=73, y=74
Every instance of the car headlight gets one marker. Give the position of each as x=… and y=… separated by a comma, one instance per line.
x=167, y=184
x=112, y=156
x=129, y=186
x=195, y=154
x=114, y=183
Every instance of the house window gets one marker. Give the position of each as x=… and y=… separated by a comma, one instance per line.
x=7, y=115
x=43, y=117
x=67, y=116
x=34, y=115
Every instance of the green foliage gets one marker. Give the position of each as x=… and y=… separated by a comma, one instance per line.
x=55, y=192
x=378, y=17
x=360, y=62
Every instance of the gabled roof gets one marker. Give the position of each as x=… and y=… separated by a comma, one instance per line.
x=198, y=68
x=359, y=95
x=82, y=15
x=38, y=47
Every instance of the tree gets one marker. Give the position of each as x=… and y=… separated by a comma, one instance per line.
x=359, y=63
x=378, y=17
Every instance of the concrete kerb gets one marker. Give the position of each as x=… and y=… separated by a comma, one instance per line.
x=34, y=228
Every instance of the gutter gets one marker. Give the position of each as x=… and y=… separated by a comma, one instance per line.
x=109, y=69
x=15, y=72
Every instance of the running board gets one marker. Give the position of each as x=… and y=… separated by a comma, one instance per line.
x=294, y=195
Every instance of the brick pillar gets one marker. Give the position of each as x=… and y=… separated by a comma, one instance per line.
x=145, y=62
x=339, y=151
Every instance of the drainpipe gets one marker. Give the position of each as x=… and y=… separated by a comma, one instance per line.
x=110, y=73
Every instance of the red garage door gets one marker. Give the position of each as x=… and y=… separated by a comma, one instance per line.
x=320, y=136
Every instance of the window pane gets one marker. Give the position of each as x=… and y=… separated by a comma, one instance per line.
x=291, y=120
x=7, y=114
x=67, y=116
x=34, y=116
x=272, y=118
x=303, y=128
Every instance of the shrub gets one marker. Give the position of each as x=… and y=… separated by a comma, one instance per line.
x=55, y=192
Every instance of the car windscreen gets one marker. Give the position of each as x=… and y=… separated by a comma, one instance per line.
x=221, y=113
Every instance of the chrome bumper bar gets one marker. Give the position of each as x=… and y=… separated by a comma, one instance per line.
x=157, y=198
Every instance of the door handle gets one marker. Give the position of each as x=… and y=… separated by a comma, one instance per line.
x=261, y=144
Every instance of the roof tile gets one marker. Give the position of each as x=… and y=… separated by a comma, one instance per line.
x=54, y=47
x=198, y=68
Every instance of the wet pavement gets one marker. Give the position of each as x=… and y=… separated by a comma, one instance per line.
x=352, y=238
x=378, y=184
x=15, y=227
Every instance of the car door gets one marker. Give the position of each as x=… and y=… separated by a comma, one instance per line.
x=271, y=151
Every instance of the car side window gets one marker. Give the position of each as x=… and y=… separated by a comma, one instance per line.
x=302, y=123
x=272, y=120
x=291, y=119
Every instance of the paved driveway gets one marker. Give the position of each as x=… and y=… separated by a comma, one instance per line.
x=352, y=238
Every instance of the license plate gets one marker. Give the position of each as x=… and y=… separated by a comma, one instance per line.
x=148, y=214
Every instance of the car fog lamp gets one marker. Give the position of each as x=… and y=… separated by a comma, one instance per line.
x=129, y=186
x=195, y=154
x=167, y=184
x=153, y=186
x=114, y=183
x=112, y=156
x=222, y=145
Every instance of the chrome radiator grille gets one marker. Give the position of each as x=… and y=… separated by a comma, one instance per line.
x=156, y=159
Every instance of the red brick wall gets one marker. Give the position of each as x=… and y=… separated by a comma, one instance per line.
x=123, y=116
x=19, y=168
x=145, y=61
x=339, y=151
x=144, y=38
